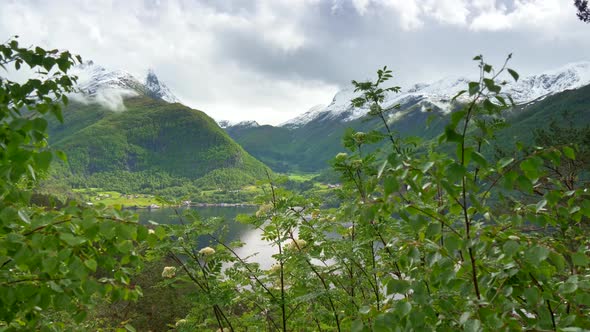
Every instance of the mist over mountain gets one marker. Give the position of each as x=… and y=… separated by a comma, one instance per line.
x=110, y=87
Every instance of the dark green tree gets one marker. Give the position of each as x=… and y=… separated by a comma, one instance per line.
x=583, y=10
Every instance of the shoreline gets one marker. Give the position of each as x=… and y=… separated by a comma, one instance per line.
x=156, y=207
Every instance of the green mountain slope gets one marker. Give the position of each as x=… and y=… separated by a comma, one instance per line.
x=151, y=144
x=311, y=146
x=566, y=108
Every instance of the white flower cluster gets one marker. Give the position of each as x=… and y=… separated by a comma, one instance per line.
x=207, y=251
x=169, y=272
x=297, y=244
x=264, y=210
x=275, y=268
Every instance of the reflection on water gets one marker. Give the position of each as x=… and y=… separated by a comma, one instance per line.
x=259, y=250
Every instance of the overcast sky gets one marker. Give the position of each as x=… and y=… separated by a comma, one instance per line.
x=270, y=60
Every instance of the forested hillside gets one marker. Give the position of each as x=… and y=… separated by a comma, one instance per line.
x=151, y=144
x=310, y=146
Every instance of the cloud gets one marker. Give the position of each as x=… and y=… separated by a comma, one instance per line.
x=110, y=98
x=537, y=15
x=270, y=60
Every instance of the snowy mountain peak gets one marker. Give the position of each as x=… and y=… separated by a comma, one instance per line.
x=440, y=93
x=568, y=77
x=225, y=123
x=93, y=79
x=157, y=89
x=242, y=124
x=306, y=117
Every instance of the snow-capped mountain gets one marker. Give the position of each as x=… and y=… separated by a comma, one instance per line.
x=306, y=117
x=94, y=79
x=439, y=93
x=242, y=124
x=157, y=89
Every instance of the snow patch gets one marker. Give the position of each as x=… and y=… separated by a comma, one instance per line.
x=110, y=87
x=440, y=93
x=224, y=124
x=157, y=89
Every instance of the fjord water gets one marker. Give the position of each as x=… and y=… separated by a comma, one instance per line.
x=253, y=245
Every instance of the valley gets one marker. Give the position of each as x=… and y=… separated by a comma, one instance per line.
x=456, y=205
x=155, y=146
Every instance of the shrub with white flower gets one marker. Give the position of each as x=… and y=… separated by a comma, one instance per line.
x=264, y=210
x=207, y=251
x=151, y=231
x=297, y=244
x=275, y=268
x=169, y=272
x=341, y=156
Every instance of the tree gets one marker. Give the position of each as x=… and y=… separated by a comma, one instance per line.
x=54, y=263
x=430, y=235
x=583, y=10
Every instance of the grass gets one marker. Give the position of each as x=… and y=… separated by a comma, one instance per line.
x=245, y=194
x=301, y=177
x=112, y=198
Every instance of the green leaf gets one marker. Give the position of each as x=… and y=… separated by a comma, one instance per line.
x=427, y=166
x=364, y=310
x=458, y=95
x=61, y=155
x=381, y=169
x=473, y=88
x=357, y=326
x=24, y=216
x=402, y=308
x=479, y=159
x=390, y=185
x=532, y=295
x=452, y=135
x=43, y=159
x=569, y=152
x=568, y=287
x=505, y=162
x=473, y=325
x=71, y=239
x=540, y=205
x=91, y=264
x=513, y=73
x=580, y=259
x=510, y=248
x=456, y=117
x=455, y=172
x=397, y=286
x=536, y=255
x=130, y=328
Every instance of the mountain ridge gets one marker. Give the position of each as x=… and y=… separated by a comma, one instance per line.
x=94, y=80
x=439, y=93
x=309, y=144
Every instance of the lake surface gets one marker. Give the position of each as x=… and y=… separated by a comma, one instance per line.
x=262, y=251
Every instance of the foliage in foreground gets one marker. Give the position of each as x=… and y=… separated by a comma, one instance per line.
x=425, y=239
x=54, y=263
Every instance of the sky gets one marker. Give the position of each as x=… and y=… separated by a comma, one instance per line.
x=271, y=60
